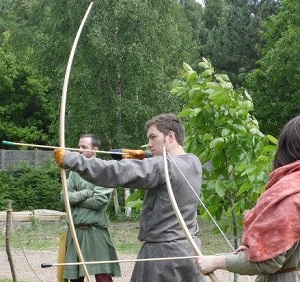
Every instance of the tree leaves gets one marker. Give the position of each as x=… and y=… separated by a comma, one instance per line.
x=221, y=130
x=274, y=84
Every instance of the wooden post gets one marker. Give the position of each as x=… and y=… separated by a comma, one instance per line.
x=7, y=240
x=2, y=163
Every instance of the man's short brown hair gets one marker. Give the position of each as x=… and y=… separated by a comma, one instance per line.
x=166, y=123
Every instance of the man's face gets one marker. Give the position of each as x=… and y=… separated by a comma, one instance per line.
x=86, y=144
x=156, y=140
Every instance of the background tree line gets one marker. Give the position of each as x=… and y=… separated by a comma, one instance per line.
x=129, y=54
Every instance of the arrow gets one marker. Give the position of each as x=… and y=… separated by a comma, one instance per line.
x=45, y=265
x=56, y=147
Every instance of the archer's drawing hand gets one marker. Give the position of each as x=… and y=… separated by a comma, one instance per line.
x=130, y=154
x=240, y=249
x=133, y=154
x=208, y=264
x=59, y=155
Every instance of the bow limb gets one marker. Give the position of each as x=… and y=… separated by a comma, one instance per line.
x=62, y=143
x=180, y=219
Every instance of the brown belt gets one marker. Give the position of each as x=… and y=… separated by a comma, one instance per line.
x=289, y=269
x=83, y=226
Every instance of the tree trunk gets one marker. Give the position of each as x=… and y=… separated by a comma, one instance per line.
x=116, y=201
x=127, y=209
x=235, y=231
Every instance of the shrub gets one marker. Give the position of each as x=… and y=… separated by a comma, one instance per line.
x=31, y=187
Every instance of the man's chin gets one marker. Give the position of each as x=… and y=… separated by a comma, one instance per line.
x=153, y=153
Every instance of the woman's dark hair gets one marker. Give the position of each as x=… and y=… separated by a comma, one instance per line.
x=288, y=147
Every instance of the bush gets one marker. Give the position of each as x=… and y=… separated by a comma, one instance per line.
x=31, y=187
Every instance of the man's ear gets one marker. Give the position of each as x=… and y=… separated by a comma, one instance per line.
x=96, y=148
x=171, y=136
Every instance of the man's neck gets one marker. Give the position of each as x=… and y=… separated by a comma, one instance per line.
x=176, y=150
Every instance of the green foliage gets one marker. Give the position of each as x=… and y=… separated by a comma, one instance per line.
x=195, y=14
x=274, y=84
x=24, y=113
x=231, y=32
x=140, y=45
x=127, y=52
x=135, y=200
x=221, y=130
x=111, y=208
x=31, y=187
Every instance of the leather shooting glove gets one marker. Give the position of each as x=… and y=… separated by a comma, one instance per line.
x=59, y=155
x=130, y=154
x=133, y=154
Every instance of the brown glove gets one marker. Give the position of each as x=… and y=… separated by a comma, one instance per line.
x=59, y=155
x=133, y=154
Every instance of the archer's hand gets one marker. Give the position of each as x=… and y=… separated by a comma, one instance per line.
x=240, y=249
x=59, y=155
x=133, y=154
x=208, y=264
x=130, y=154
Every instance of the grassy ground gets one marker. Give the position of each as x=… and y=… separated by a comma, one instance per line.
x=44, y=236
x=37, y=235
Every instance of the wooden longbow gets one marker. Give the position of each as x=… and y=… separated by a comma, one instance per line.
x=180, y=219
x=62, y=143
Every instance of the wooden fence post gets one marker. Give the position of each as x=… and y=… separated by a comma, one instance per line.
x=7, y=240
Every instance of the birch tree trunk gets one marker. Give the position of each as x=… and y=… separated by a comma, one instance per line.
x=127, y=209
x=116, y=201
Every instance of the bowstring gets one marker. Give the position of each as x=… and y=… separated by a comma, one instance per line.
x=201, y=202
x=23, y=249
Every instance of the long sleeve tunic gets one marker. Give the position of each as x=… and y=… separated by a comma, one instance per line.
x=88, y=205
x=159, y=228
x=267, y=271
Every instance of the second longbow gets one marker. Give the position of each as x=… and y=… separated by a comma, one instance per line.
x=180, y=219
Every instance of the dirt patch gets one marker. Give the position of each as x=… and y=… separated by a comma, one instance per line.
x=28, y=266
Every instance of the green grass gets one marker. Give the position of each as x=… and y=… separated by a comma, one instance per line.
x=44, y=236
x=37, y=235
x=212, y=240
x=34, y=235
x=124, y=236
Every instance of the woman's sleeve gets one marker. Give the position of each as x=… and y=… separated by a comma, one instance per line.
x=238, y=263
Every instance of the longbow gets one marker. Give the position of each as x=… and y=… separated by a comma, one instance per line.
x=180, y=219
x=62, y=143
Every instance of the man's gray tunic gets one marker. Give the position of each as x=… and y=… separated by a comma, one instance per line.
x=159, y=228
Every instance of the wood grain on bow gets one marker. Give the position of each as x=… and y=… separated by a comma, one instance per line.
x=180, y=219
x=62, y=143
